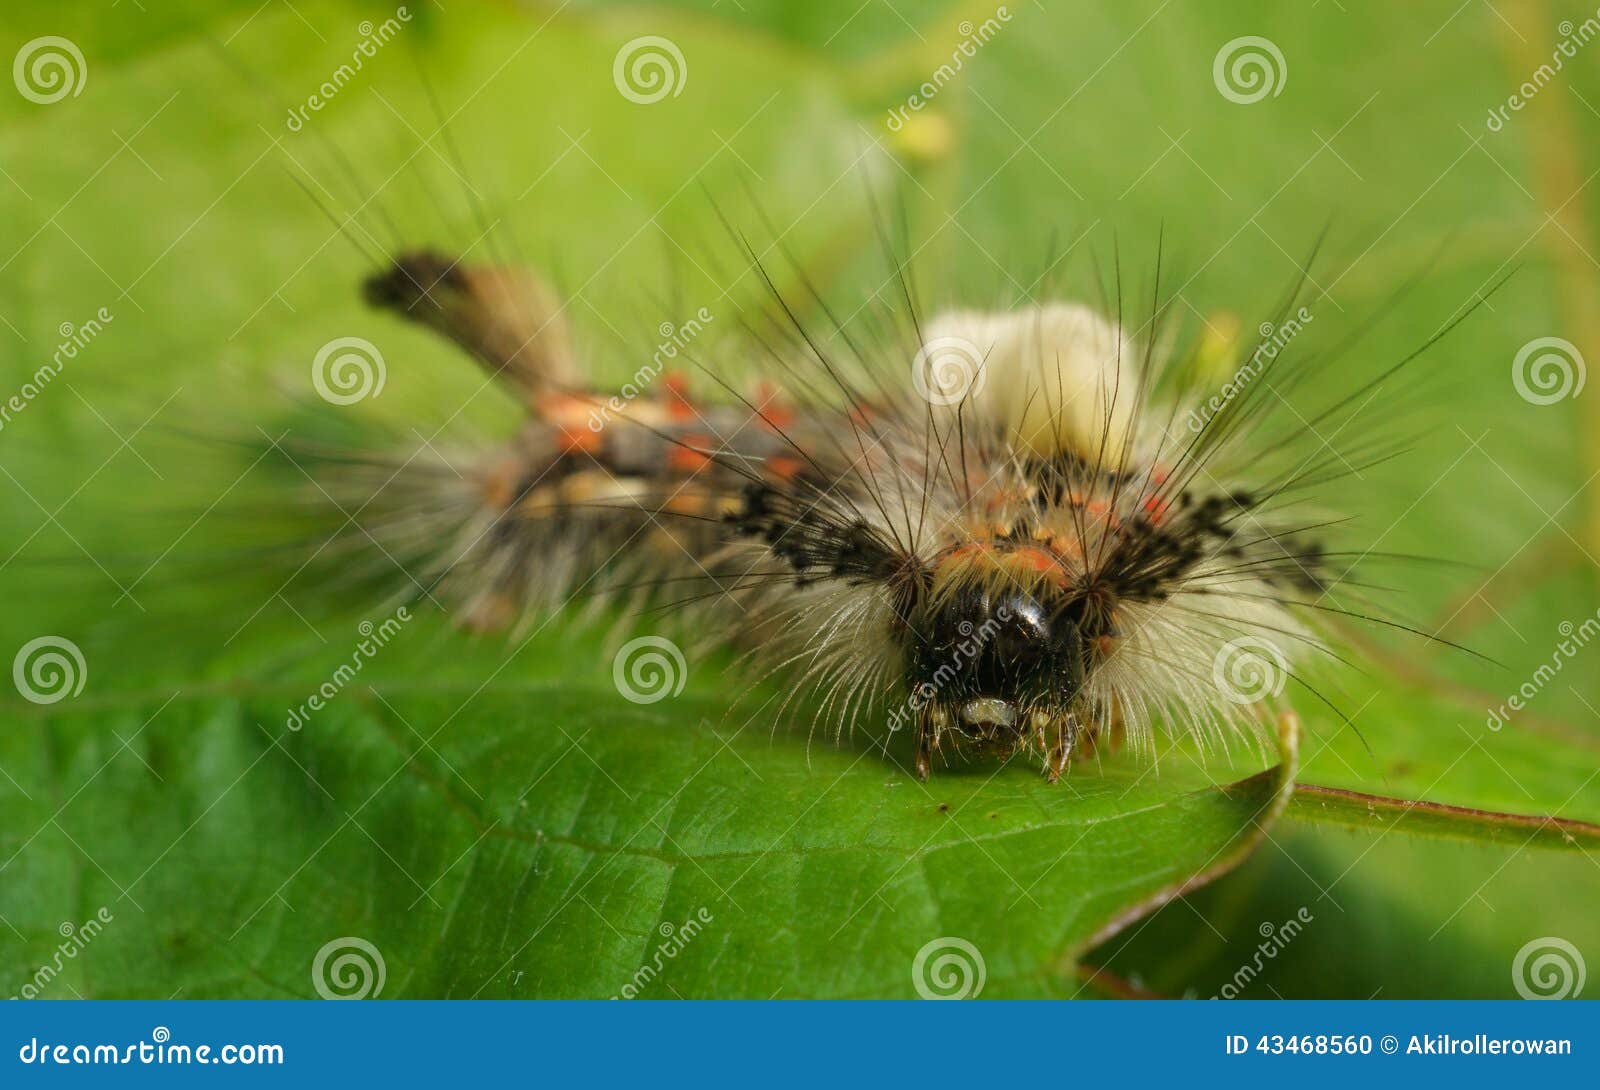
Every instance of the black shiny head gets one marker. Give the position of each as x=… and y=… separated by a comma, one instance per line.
x=986, y=658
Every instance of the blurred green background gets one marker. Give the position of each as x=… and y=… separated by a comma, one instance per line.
x=488, y=815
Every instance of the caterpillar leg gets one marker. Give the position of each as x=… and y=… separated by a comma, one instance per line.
x=925, y=742
x=1066, y=735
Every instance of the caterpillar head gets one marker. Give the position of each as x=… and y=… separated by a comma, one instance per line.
x=997, y=650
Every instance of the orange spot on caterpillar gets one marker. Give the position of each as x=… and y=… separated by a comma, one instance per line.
x=774, y=413
x=961, y=552
x=785, y=466
x=1021, y=559
x=679, y=407
x=688, y=503
x=576, y=439
x=1038, y=561
x=572, y=417
x=686, y=458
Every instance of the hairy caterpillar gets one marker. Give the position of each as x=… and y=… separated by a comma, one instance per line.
x=1004, y=531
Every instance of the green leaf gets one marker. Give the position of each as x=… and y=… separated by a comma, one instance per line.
x=1325, y=911
x=550, y=840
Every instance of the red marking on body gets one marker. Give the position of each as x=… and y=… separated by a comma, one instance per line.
x=688, y=503
x=962, y=552
x=679, y=407
x=573, y=418
x=785, y=466
x=773, y=412
x=687, y=458
x=1028, y=557
x=1099, y=508
x=1044, y=563
x=580, y=440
